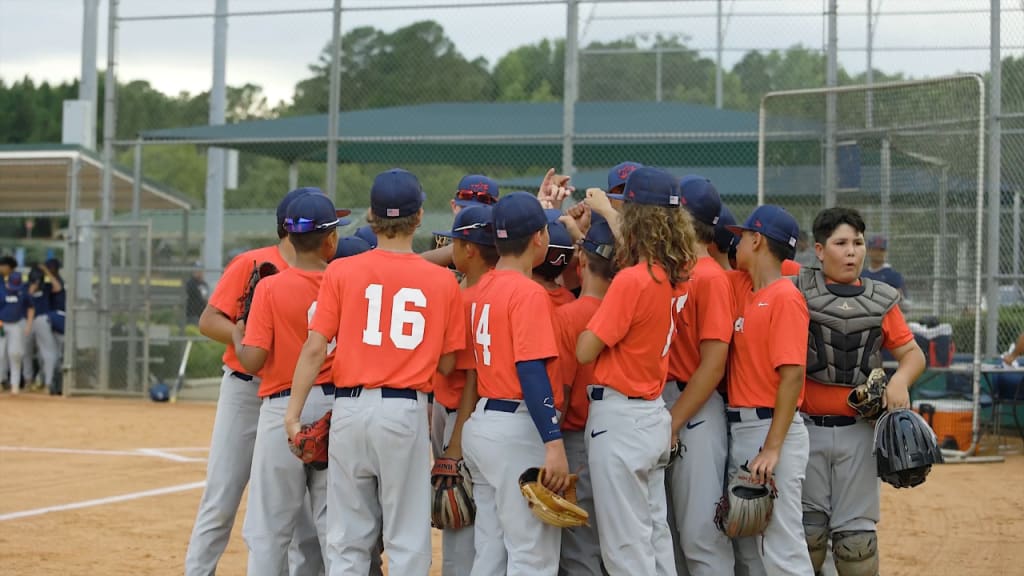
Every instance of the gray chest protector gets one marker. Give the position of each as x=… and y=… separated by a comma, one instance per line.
x=845, y=337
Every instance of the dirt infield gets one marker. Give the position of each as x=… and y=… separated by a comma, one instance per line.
x=84, y=477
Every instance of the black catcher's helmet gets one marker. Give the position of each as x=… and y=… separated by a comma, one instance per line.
x=905, y=448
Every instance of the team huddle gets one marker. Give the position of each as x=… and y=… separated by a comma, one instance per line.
x=600, y=389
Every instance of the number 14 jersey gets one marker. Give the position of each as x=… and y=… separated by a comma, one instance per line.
x=394, y=315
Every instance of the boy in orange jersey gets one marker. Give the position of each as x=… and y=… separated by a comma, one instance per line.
x=581, y=550
x=705, y=313
x=766, y=377
x=238, y=409
x=515, y=425
x=853, y=318
x=474, y=254
x=269, y=344
x=403, y=319
x=559, y=256
x=629, y=432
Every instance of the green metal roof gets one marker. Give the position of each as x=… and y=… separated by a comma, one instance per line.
x=509, y=134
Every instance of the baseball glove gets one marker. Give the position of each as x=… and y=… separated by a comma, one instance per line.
x=868, y=398
x=548, y=506
x=452, y=505
x=259, y=272
x=746, y=507
x=310, y=443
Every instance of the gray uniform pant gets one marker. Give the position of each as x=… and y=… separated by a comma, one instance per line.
x=498, y=447
x=628, y=445
x=695, y=483
x=41, y=339
x=281, y=488
x=12, y=348
x=457, y=550
x=227, y=473
x=783, y=551
x=581, y=548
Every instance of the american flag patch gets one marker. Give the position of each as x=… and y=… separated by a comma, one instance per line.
x=502, y=233
x=393, y=212
x=673, y=200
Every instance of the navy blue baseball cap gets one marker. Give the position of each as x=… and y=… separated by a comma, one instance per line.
x=396, y=193
x=723, y=237
x=350, y=246
x=282, y=206
x=518, y=215
x=367, y=234
x=650, y=186
x=476, y=189
x=473, y=224
x=599, y=239
x=700, y=198
x=771, y=221
x=311, y=213
x=620, y=172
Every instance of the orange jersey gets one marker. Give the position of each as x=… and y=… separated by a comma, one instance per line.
x=827, y=400
x=771, y=332
x=570, y=321
x=233, y=282
x=705, y=311
x=448, y=389
x=635, y=322
x=394, y=315
x=511, y=322
x=279, y=323
x=742, y=285
x=561, y=296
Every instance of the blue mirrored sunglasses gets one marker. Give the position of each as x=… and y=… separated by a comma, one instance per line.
x=304, y=225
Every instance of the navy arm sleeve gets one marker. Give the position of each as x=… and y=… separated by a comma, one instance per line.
x=539, y=400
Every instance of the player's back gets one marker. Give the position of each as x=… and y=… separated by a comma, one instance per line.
x=570, y=321
x=511, y=322
x=394, y=313
x=704, y=311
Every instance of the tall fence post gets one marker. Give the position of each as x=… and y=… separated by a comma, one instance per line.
x=571, y=80
x=995, y=150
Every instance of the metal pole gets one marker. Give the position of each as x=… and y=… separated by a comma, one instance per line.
x=571, y=80
x=71, y=282
x=293, y=175
x=106, y=203
x=830, y=108
x=213, y=230
x=88, y=87
x=133, y=329
x=886, y=192
x=334, y=99
x=940, y=249
x=1017, y=280
x=657, y=75
x=761, y=123
x=718, y=56
x=869, y=95
x=994, y=182
x=186, y=263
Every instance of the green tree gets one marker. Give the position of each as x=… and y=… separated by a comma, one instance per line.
x=533, y=73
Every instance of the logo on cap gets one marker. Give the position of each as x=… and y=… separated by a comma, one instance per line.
x=393, y=212
x=501, y=233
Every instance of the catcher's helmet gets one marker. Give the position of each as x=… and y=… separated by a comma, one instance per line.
x=905, y=448
x=160, y=392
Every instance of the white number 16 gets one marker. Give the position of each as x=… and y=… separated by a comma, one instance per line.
x=400, y=317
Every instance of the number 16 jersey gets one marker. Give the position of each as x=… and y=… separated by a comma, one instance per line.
x=394, y=315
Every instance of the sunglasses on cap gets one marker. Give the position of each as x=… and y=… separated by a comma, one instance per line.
x=473, y=226
x=603, y=250
x=480, y=196
x=304, y=225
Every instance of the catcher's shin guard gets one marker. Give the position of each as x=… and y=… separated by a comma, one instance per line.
x=816, y=533
x=855, y=552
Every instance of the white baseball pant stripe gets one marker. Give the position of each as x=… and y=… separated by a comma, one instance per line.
x=628, y=448
x=783, y=551
x=379, y=476
x=498, y=447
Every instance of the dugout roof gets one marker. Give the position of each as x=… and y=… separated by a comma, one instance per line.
x=35, y=179
x=523, y=135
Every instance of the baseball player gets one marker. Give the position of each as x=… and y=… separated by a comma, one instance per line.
x=515, y=424
x=697, y=359
x=235, y=424
x=852, y=319
x=403, y=319
x=40, y=291
x=474, y=254
x=16, y=316
x=273, y=336
x=558, y=258
x=581, y=551
x=629, y=432
x=719, y=249
x=473, y=190
x=766, y=377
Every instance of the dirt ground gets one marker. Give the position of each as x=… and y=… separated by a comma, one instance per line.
x=77, y=478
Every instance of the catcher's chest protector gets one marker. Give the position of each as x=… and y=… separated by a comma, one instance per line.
x=845, y=337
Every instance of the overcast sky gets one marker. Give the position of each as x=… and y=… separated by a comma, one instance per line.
x=42, y=38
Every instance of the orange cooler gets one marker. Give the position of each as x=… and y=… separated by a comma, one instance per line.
x=951, y=421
